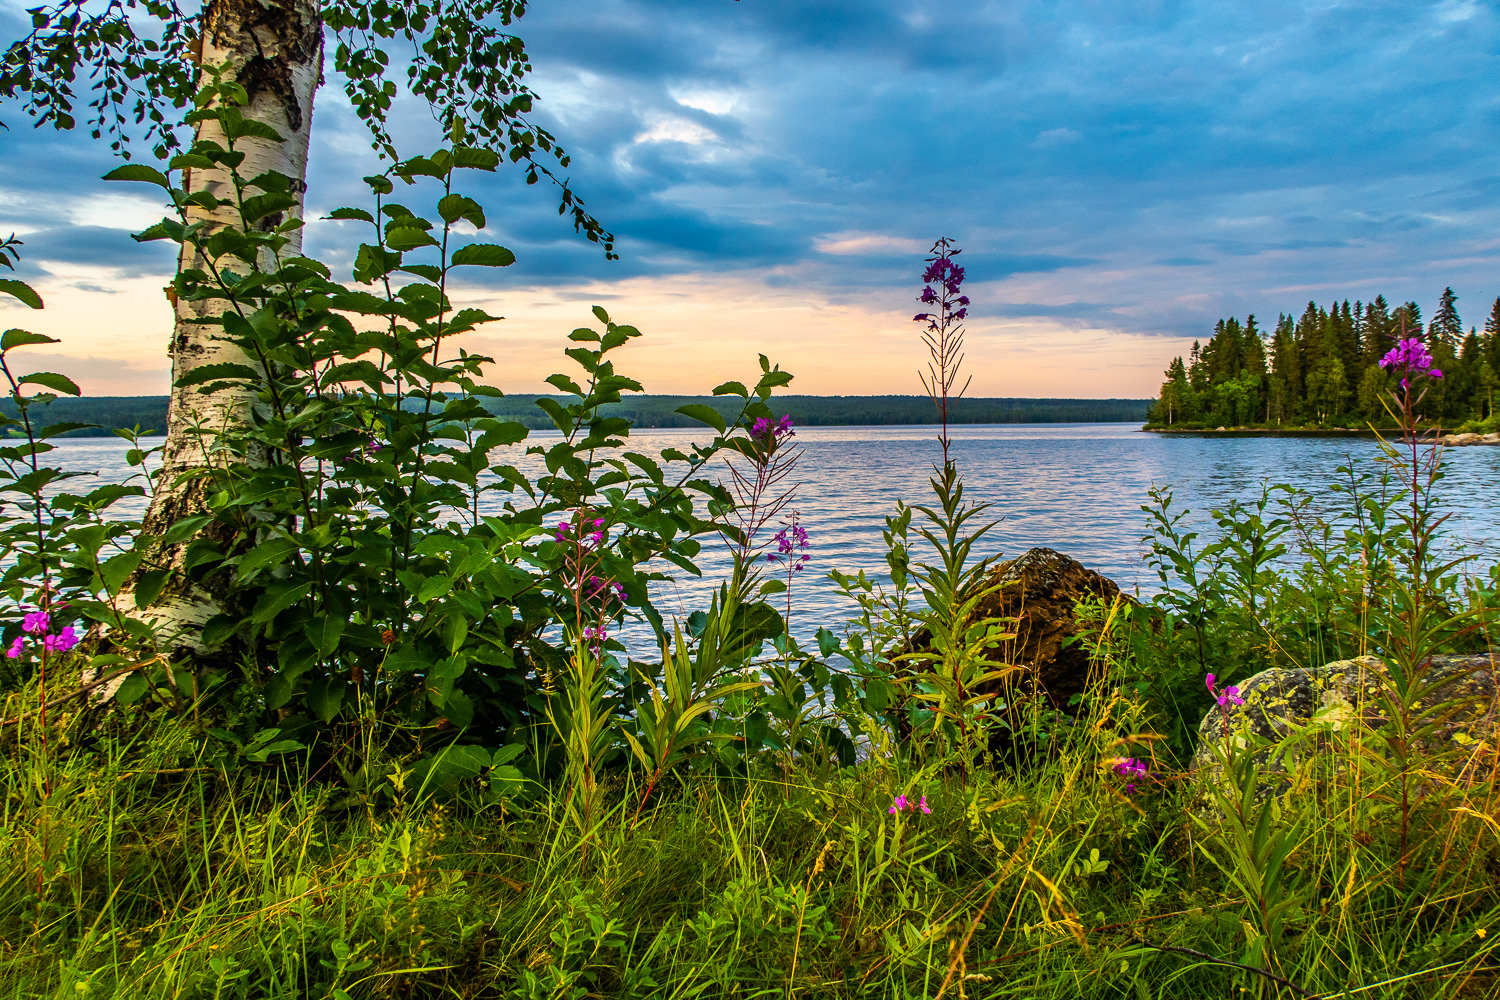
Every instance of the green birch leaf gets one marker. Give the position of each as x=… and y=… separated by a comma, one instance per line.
x=22, y=291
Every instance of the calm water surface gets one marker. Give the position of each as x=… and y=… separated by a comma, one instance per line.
x=1077, y=488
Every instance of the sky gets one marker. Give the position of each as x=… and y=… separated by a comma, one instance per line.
x=1119, y=176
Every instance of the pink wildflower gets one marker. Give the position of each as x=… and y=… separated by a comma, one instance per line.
x=62, y=642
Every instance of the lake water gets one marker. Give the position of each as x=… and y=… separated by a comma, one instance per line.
x=1077, y=488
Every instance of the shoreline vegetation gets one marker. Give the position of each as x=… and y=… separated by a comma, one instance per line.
x=1325, y=370
x=647, y=411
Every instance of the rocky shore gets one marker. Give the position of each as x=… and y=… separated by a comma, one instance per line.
x=1460, y=440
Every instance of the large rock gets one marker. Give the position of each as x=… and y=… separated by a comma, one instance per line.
x=1470, y=438
x=1040, y=589
x=1347, y=694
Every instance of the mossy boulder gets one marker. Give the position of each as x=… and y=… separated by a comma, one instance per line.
x=1343, y=700
x=1041, y=589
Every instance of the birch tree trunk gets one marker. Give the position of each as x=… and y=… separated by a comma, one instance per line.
x=275, y=51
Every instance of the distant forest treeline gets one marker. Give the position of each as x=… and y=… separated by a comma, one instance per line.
x=827, y=411
x=1324, y=369
x=150, y=412
x=109, y=412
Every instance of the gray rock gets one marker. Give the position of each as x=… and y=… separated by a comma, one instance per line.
x=1468, y=438
x=1344, y=696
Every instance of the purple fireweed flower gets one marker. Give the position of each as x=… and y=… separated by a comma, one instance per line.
x=791, y=544
x=568, y=531
x=610, y=589
x=771, y=433
x=36, y=622
x=1129, y=767
x=903, y=804
x=15, y=648
x=941, y=283
x=1229, y=694
x=1409, y=357
x=62, y=642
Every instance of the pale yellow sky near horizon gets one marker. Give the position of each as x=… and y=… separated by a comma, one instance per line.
x=697, y=331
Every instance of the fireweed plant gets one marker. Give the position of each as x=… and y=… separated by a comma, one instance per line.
x=954, y=679
x=428, y=766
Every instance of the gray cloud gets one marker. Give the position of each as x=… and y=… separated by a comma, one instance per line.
x=1177, y=160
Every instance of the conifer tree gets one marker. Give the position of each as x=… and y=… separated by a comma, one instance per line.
x=1325, y=367
x=1446, y=327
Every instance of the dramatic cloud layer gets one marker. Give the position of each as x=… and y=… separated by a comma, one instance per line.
x=1120, y=175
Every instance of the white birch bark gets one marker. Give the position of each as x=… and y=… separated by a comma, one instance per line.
x=275, y=51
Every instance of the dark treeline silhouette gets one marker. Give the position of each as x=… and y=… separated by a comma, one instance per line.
x=1323, y=369
x=150, y=412
x=827, y=411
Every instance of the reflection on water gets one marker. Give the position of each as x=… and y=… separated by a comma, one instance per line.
x=1073, y=487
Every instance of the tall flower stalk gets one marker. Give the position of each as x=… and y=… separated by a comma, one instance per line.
x=953, y=673
x=1418, y=622
x=944, y=331
x=760, y=488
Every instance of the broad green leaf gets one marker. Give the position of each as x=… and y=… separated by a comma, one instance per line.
x=732, y=389
x=405, y=238
x=258, y=207
x=272, y=552
x=277, y=598
x=325, y=632
x=217, y=372
x=431, y=272
x=20, y=338
x=475, y=159
x=166, y=229
x=52, y=430
x=53, y=381
x=618, y=335
x=239, y=128
x=455, y=630
x=453, y=207
x=484, y=255
x=116, y=568
x=139, y=172
x=350, y=213
x=132, y=688
x=325, y=695
x=22, y=291
x=704, y=414
x=148, y=588
x=434, y=588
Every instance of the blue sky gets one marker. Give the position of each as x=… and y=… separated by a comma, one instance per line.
x=1120, y=176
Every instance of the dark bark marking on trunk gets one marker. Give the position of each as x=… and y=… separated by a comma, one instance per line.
x=292, y=38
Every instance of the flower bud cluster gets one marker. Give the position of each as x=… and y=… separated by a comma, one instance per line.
x=791, y=544
x=590, y=532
